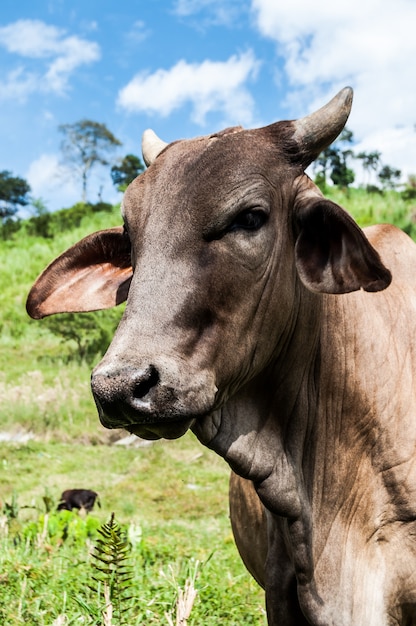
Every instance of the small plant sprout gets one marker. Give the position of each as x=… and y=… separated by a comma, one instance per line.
x=113, y=572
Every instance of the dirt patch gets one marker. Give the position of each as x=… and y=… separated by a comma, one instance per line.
x=18, y=436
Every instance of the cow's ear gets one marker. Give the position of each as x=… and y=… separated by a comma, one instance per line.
x=93, y=274
x=332, y=253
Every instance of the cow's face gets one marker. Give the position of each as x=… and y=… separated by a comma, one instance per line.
x=222, y=236
x=213, y=283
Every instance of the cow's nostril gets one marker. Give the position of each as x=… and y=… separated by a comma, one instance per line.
x=146, y=382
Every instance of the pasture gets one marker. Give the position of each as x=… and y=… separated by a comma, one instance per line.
x=171, y=500
x=170, y=497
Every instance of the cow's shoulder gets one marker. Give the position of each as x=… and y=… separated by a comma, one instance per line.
x=396, y=248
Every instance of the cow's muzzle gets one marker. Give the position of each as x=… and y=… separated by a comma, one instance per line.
x=142, y=402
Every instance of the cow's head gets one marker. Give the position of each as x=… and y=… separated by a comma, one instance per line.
x=222, y=235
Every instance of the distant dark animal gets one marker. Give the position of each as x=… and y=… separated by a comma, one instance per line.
x=78, y=499
x=263, y=318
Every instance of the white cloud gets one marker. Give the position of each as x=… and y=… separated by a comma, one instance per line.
x=216, y=12
x=209, y=86
x=46, y=177
x=368, y=45
x=18, y=84
x=60, y=56
x=57, y=186
x=138, y=32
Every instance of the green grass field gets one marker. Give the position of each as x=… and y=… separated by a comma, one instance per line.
x=171, y=497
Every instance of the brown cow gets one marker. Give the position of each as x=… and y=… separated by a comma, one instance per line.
x=261, y=316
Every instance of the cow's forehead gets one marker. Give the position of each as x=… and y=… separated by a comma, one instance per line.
x=233, y=145
x=211, y=168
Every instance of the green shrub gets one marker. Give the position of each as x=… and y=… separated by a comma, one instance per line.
x=105, y=207
x=57, y=527
x=9, y=227
x=86, y=334
x=409, y=193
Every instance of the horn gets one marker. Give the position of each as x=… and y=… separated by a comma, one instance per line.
x=152, y=146
x=317, y=131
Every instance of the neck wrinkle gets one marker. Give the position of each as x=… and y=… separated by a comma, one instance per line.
x=261, y=430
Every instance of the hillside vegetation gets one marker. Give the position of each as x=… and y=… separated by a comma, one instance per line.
x=173, y=495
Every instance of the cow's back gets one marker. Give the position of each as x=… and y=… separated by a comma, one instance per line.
x=397, y=250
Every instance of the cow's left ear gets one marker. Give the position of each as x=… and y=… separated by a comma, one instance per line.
x=93, y=274
x=332, y=253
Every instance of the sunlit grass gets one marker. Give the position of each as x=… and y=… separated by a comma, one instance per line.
x=173, y=498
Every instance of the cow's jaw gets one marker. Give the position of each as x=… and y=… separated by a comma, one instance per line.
x=161, y=431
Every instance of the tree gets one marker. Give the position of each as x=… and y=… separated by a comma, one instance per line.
x=321, y=166
x=409, y=192
x=13, y=191
x=124, y=173
x=39, y=206
x=334, y=160
x=389, y=176
x=87, y=335
x=371, y=161
x=341, y=174
x=85, y=144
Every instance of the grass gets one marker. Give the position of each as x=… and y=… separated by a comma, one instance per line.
x=156, y=475
x=374, y=208
x=171, y=496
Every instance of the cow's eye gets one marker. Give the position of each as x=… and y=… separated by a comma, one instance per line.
x=250, y=219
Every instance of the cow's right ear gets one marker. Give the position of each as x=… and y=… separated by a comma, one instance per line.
x=332, y=253
x=93, y=274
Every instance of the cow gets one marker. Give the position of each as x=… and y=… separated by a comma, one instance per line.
x=260, y=316
x=78, y=499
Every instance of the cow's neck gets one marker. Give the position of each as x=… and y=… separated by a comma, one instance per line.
x=261, y=430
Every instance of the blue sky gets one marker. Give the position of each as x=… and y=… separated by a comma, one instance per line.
x=191, y=67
